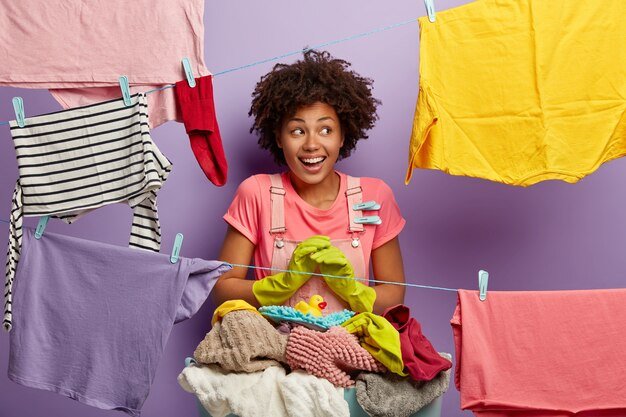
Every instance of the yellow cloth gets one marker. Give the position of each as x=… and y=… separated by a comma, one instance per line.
x=229, y=306
x=379, y=338
x=521, y=91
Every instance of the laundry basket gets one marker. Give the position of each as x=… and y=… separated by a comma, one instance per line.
x=431, y=410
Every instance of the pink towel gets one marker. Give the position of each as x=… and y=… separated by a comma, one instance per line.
x=78, y=49
x=330, y=355
x=542, y=353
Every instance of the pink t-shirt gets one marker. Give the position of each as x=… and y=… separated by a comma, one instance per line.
x=249, y=213
x=79, y=49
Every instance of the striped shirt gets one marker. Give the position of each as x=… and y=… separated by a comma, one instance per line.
x=74, y=161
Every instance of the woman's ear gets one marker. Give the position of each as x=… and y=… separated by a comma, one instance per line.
x=278, y=140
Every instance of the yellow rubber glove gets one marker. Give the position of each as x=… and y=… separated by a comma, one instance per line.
x=379, y=338
x=278, y=288
x=332, y=261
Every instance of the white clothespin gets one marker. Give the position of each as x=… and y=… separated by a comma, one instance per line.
x=430, y=9
x=189, y=73
x=18, y=106
x=125, y=87
x=368, y=220
x=483, y=280
x=41, y=226
x=368, y=205
x=178, y=243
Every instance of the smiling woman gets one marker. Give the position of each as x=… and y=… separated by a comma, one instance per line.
x=309, y=115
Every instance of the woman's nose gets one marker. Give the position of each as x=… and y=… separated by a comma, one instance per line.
x=311, y=143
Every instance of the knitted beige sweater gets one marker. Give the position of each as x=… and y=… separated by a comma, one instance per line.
x=242, y=342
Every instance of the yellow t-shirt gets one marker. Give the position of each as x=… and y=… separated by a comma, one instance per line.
x=521, y=91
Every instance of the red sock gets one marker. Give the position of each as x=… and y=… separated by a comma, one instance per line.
x=198, y=112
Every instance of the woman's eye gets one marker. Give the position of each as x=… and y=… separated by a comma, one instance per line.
x=325, y=131
x=297, y=131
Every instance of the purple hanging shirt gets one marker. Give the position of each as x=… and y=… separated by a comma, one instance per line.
x=91, y=320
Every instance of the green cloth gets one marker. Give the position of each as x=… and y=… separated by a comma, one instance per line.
x=379, y=338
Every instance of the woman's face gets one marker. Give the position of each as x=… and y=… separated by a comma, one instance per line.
x=311, y=140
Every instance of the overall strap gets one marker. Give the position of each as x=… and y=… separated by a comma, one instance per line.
x=277, y=207
x=354, y=195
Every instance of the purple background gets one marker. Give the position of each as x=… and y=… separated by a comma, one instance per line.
x=550, y=236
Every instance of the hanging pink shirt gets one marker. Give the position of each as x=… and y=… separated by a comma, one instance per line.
x=541, y=353
x=78, y=49
x=249, y=213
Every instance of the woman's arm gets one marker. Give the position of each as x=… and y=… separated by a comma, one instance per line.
x=232, y=285
x=387, y=266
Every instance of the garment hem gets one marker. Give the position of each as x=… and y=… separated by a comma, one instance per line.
x=70, y=394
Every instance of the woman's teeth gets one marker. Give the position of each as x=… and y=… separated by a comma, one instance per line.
x=312, y=161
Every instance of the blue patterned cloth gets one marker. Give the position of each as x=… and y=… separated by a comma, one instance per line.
x=285, y=313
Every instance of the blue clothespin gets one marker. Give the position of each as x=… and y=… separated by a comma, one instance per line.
x=125, y=87
x=430, y=9
x=368, y=220
x=483, y=280
x=178, y=243
x=368, y=205
x=18, y=106
x=41, y=226
x=189, y=73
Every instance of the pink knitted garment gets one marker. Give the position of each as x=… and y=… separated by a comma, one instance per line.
x=330, y=355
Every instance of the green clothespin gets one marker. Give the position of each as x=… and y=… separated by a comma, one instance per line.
x=18, y=106
x=178, y=243
x=125, y=87
x=189, y=73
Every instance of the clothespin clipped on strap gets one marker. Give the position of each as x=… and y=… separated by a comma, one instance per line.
x=430, y=9
x=368, y=220
x=41, y=226
x=189, y=73
x=125, y=87
x=368, y=205
x=18, y=106
x=483, y=280
x=178, y=243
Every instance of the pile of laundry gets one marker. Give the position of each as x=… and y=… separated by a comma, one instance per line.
x=248, y=367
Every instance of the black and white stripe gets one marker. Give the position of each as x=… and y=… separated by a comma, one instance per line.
x=74, y=161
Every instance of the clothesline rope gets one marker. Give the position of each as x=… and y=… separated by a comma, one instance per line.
x=278, y=57
x=380, y=281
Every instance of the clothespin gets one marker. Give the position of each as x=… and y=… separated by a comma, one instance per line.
x=483, y=280
x=368, y=220
x=430, y=9
x=368, y=205
x=178, y=243
x=18, y=106
x=189, y=73
x=41, y=226
x=125, y=87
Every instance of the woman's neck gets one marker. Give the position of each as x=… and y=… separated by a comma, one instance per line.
x=321, y=195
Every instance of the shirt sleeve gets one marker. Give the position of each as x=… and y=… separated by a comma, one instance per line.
x=392, y=220
x=244, y=211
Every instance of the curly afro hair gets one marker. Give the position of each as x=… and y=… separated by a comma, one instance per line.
x=318, y=77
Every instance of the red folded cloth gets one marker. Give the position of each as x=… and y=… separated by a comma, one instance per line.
x=197, y=110
x=421, y=360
